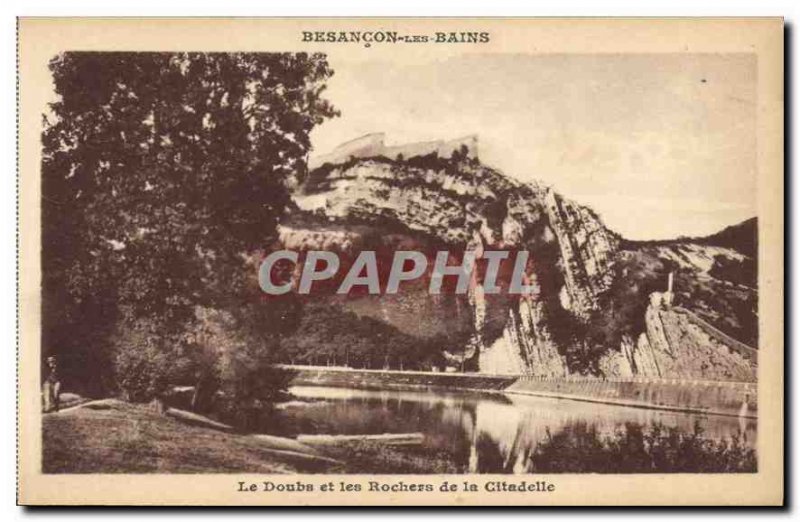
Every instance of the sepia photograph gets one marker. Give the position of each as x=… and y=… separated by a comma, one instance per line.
x=329, y=259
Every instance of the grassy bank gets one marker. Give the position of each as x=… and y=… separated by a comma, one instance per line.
x=112, y=436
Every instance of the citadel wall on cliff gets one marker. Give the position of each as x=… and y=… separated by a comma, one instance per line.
x=374, y=144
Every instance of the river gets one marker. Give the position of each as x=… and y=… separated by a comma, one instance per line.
x=483, y=432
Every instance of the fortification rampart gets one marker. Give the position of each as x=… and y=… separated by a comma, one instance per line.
x=371, y=145
x=739, y=347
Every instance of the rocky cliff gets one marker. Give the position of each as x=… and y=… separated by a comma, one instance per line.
x=432, y=202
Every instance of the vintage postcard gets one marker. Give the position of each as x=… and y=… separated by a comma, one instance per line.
x=401, y=262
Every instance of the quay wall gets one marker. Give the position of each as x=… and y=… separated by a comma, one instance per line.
x=691, y=396
x=711, y=397
x=388, y=379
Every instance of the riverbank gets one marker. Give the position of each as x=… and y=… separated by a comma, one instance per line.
x=113, y=436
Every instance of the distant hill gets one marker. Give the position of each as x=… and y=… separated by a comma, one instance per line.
x=742, y=237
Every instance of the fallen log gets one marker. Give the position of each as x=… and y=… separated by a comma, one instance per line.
x=391, y=439
x=283, y=443
x=197, y=420
x=100, y=404
x=302, y=457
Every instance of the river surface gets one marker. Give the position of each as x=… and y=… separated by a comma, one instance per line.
x=482, y=432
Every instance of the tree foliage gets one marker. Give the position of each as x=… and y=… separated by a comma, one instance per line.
x=327, y=335
x=161, y=173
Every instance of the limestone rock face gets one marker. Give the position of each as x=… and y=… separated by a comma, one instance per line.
x=620, y=365
x=679, y=345
x=587, y=250
x=459, y=204
x=472, y=207
x=526, y=330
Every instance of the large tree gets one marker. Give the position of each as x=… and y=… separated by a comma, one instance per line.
x=160, y=173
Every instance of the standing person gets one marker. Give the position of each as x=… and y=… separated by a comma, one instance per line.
x=51, y=385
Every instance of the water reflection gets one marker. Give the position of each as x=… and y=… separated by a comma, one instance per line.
x=481, y=433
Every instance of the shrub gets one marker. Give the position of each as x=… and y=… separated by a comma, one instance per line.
x=145, y=363
x=657, y=449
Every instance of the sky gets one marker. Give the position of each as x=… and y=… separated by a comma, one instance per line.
x=659, y=146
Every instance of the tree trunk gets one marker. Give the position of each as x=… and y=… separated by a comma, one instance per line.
x=204, y=391
x=157, y=404
x=196, y=394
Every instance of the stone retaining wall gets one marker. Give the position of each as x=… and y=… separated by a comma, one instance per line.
x=711, y=397
x=387, y=379
x=721, y=398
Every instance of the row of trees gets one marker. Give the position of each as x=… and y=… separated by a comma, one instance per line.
x=161, y=174
x=329, y=336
